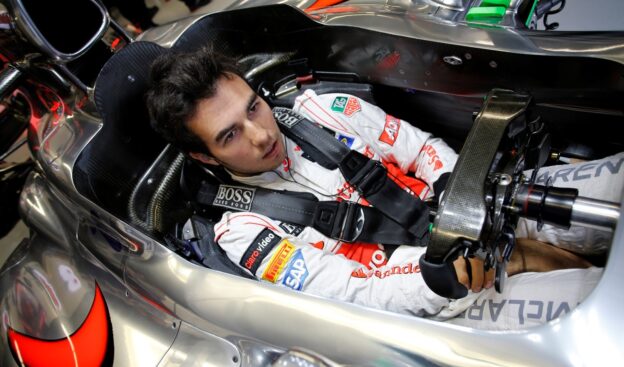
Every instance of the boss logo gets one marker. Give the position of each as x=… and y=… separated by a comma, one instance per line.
x=286, y=117
x=234, y=197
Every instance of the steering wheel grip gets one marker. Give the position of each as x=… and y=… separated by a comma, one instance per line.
x=442, y=279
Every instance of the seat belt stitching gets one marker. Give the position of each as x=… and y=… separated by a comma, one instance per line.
x=286, y=208
x=317, y=134
x=329, y=147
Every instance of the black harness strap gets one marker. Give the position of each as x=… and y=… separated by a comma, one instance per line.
x=369, y=177
x=345, y=221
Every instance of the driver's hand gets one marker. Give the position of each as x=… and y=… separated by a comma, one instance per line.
x=471, y=273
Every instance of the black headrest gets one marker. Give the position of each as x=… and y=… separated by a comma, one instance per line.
x=122, y=82
x=110, y=166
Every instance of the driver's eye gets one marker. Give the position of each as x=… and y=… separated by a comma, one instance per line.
x=254, y=107
x=230, y=135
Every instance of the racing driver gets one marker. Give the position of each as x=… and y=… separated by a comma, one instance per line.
x=199, y=102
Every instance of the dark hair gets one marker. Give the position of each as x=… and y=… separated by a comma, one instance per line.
x=178, y=81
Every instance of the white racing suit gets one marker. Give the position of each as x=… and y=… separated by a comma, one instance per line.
x=305, y=260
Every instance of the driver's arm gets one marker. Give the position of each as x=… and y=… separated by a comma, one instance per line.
x=393, y=140
x=528, y=256
x=258, y=245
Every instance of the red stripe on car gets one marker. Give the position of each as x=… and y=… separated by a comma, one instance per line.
x=86, y=347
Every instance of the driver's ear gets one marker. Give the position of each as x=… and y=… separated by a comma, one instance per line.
x=204, y=158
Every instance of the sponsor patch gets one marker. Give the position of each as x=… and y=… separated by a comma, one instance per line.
x=434, y=159
x=391, y=130
x=286, y=117
x=234, y=197
x=259, y=249
x=394, y=270
x=290, y=228
x=346, y=140
x=346, y=105
x=296, y=273
x=278, y=261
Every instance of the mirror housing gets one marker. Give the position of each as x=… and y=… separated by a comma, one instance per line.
x=61, y=36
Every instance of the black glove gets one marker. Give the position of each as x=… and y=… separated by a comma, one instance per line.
x=440, y=185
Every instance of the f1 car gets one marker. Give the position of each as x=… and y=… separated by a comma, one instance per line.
x=99, y=283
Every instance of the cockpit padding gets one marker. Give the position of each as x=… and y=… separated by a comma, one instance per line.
x=156, y=203
x=110, y=166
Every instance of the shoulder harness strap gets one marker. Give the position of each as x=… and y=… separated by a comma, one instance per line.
x=367, y=176
x=345, y=221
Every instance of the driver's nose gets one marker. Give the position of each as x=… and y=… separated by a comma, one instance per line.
x=258, y=135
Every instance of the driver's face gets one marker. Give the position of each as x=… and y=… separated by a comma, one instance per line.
x=238, y=129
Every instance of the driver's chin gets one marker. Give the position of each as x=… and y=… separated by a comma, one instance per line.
x=273, y=164
x=260, y=165
x=278, y=162
x=258, y=168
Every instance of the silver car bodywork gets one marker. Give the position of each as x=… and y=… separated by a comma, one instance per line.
x=166, y=310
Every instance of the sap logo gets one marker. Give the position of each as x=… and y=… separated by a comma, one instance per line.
x=296, y=273
x=391, y=130
x=259, y=249
x=286, y=117
x=234, y=197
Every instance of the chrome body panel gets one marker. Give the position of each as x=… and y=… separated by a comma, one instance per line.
x=392, y=19
x=57, y=277
x=194, y=345
x=59, y=143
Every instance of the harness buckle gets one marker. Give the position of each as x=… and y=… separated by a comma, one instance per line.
x=352, y=222
x=366, y=175
x=340, y=220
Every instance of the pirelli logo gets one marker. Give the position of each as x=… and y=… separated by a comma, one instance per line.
x=286, y=117
x=234, y=197
x=278, y=261
x=259, y=249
